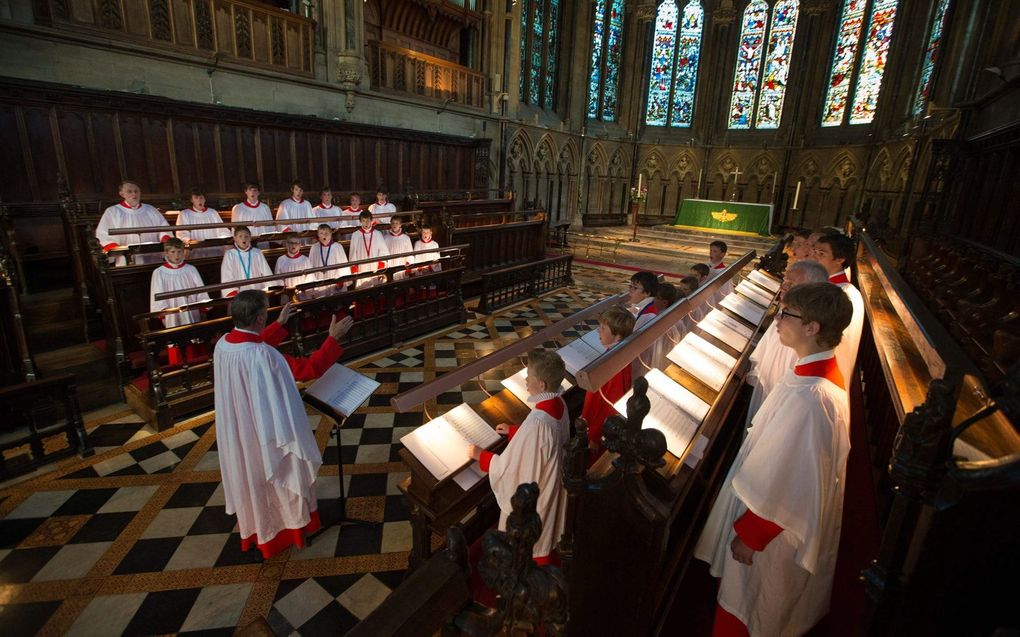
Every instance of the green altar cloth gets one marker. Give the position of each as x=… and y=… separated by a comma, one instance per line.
x=725, y=216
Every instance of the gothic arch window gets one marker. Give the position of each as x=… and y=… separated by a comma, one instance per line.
x=540, y=36
x=760, y=89
x=676, y=50
x=938, y=24
x=870, y=62
x=607, y=44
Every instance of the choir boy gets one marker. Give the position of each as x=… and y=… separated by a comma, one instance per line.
x=381, y=205
x=615, y=324
x=295, y=207
x=130, y=213
x=267, y=451
x=326, y=207
x=773, y=533
x=642, y=289
x=367, y=243
x=243, y=262
x=687, y=286
x=800, y=247
x=251, y=209
x=534, y=452
x=700, y=271
x=836, y=253
x=293, y=262
x=196, y=214
x=325, y=252
x=353, y=211
x=397, y=242
x=428, y=250
x=665, y=295
x=175, y=275
x=716, y=253
x=770, y=359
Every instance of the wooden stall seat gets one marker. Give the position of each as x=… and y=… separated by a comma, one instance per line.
x=504, y=287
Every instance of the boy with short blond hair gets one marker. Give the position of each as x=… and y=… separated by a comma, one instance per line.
x=325, y=252
x=534, y=452
x=293, y=263
x=175, y=275
x=773, y=533
x=130, y=213
x=252, y=209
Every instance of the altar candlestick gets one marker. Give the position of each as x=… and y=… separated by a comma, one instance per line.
x=796, y=196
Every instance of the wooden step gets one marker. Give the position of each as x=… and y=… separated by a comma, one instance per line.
x=48, y=336
x=55, y=305
x=96, y=378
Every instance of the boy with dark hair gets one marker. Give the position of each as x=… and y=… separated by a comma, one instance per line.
x=836, y=253
x=327, y=252
x=700, y=271
x=381, y=205
x=397, y=242
x=773, y=533
x=173, y=275
x=130, y=213
x=295, y=207
x=243, y=262
x=534, y=452
x=252, y=209
x=643, y=286
x=367, y=243
x=326, y=207
x=716, y=252
x=198, y=213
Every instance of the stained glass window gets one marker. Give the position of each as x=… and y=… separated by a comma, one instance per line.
x=938, y=24
x=676, y=51
x=607, y=39
x=841, y=72
x=539, y=46
x=777, y=64
x=745, y=79
x=876, y=52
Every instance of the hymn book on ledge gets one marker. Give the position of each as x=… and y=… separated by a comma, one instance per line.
x=578, y=353
x=704, y=361
x=676, y=412
x=442, y=444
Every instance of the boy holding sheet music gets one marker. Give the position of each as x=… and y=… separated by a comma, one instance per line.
x=535, y=452
x=773, y=533
x=615, y=324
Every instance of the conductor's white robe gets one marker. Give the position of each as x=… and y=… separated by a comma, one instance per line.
x=170, y=278
x=790, y=471
x=535, y=454
x=242, y=265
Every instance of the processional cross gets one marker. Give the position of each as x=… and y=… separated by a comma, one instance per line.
x=736, y=174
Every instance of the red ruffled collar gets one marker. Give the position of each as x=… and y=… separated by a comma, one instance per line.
x=238, y=336
x=553, y=406
x=125, y=204
x=720, y=266
x=252, y=205
x=827, y=369
x=296, y=256
x=192, y=209
x=167, y=264
x=839, y=277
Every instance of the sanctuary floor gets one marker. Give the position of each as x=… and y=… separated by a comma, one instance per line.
x=135, y=540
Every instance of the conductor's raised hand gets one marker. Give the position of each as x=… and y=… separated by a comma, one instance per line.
x=337, y=329
x=285, y=313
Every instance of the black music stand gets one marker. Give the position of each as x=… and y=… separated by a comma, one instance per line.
x=338, y=420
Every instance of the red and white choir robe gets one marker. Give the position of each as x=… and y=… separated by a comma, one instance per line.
x=268, y=455
x=333, y=254
x=599, y=405
x=170, y=278
x=242, y=265
x=124, y=216
x=286, y=264
x=244, y=213
x=381, y=208
x=190, y=216
x=643, y=312
x=368, y=245
x=398, y=244
x=322, y=211
x=770, y=361
x=846, y=351
x=290, y=208
x=352, y=217
x=427, y=251
x=783, y=497
x=534, y=454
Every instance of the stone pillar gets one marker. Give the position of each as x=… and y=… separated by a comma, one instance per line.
x=345, y=46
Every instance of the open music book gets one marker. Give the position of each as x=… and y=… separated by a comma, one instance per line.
x=581, y=351
x=747, y=310
x=342, y=389
x=701, y=359
x=441, y=444
x=675, y=411
x=726, y=328
x=516, y=386
x=760, y=278
x=755, y=293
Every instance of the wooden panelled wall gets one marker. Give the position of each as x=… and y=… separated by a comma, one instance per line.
x=94, y=139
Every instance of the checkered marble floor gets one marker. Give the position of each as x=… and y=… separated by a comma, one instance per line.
x=136, y=539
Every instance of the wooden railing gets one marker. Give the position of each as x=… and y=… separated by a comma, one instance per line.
x=398, y=69
x=501, y=288
x=249, y=33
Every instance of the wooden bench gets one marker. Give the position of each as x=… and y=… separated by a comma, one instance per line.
x=32, y=412
x=504, y=287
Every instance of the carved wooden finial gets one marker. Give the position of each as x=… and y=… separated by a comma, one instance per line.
x=638, y=448
x=924, y=443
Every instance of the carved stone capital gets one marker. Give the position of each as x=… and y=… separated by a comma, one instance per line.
x=348, y=73
x=816, y=7
x=725, y=15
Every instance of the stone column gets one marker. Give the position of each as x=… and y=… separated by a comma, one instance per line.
x=345, y=46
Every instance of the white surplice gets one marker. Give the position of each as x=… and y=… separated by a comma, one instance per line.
x=790, y=470
x=267, y=450
x=170, y=278
x=291, y=209
x=770, y=360
x=286, y=264
x=190, y=216
x=382, y=208
x=332, y=254
x=323, y=213
x=535, y=454
x=366, y=245
x=427, y=251
x=846, y=351
x=399, y=244
x=242, y=265
x=121, y=216
x=244, y=213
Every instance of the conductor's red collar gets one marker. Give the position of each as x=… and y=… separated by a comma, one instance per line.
x=242, y=336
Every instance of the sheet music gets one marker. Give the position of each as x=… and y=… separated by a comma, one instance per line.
x=442, y=444
x=702, y=360
x=581, y=351
x=469, y=477
x=516, y=386
x=751, y=312
x=755, y=293
x=722, y=318
x=764, y=280
x=675, y=411
x=722, y=331
x=697, y=451
x=343, y=389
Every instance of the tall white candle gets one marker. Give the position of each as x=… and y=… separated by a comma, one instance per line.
x=639, y=178
x=699, y=181
x=796, y=196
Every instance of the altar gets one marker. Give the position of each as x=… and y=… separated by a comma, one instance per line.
x=731, y=217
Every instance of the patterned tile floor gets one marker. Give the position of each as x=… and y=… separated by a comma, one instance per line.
x=135, y=540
